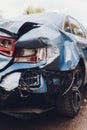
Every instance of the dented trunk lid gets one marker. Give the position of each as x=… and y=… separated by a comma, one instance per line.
x=11, y=31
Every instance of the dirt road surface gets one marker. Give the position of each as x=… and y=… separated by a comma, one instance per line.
x=47, y=121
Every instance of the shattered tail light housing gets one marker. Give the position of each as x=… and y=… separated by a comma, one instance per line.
x=30, y=55
x=7, y=46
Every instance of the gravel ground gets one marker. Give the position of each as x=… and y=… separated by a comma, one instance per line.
x=47, y=121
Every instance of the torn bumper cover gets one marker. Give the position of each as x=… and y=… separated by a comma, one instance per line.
x=11, y=77
x=27, y=81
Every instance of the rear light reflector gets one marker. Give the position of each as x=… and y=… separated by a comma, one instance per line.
x=31, y=55
x=7, y=46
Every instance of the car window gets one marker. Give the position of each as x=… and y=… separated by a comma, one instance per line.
x=67, y=26
x=76, y=29
x=84, y=30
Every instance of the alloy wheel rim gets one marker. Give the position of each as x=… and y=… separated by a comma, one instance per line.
x=77, y=89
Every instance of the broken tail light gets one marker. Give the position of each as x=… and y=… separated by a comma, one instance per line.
x=30, y=55
x=7, y=46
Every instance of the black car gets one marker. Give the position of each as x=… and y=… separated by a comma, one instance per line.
x=43, y=64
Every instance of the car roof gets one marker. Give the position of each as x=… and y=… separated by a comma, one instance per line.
x=40, y=18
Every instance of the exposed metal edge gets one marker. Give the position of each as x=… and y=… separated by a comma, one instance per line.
x=8, y=32
x=25, y=110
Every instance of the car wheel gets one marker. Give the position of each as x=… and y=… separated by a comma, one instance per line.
x=69, y=104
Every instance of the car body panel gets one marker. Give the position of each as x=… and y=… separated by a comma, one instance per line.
x=15, y=24
x=64, y=50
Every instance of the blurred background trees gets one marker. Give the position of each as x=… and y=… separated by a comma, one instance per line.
x=32, y=10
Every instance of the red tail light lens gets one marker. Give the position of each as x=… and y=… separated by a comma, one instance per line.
x=31, y=55
x=7, y=46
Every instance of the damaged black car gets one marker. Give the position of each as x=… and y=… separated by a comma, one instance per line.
x=43, y=64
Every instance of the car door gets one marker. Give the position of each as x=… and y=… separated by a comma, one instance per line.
x=78, y=33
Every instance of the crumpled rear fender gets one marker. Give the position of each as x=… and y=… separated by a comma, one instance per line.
x=50, y=35
x=70, y=56
x=40, y=37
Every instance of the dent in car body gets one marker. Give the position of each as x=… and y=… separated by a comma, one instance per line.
x=47, y=35
x=54, y=37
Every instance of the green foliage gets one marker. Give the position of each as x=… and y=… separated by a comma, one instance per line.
x=31, y=10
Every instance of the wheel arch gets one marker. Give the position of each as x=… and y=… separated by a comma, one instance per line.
x=81, y=63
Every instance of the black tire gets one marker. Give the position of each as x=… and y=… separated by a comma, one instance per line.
x=69, y=104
